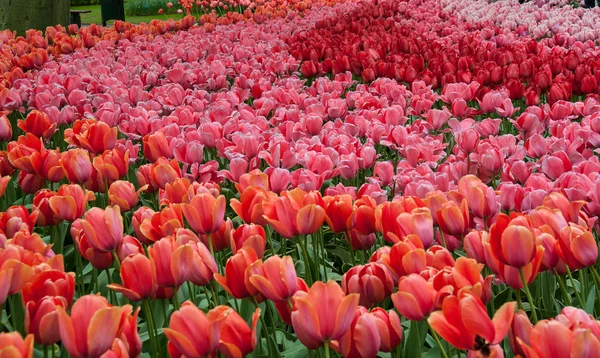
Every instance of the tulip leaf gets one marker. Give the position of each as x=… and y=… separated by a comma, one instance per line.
x=433, y=352
x=548, y=283
x=416, y=339
x=589, y=302
x=295, y=350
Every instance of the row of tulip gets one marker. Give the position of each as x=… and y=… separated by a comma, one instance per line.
x=179, y=189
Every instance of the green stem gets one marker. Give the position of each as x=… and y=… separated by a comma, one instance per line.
x=150, y=326
x=519, y=302
x=265, y=328
x=117, y=261
x=437, y=341
x=528, y=294
x=175, y=299
x=581, y=305
x=307, y=269
x=563, y=288
x=326, y=349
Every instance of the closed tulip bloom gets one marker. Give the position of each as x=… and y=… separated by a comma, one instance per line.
x=16, y=219
x=236, y=339
x=92, y=326
x=103, y=228
x=360, y=241
x=509, y=274
x=50, y=283
x=5, y=129
x=339, y=213
x=123, y=194
x=173, y=262
x=389, y=328
x=205, y=213
x=204, y=265
x=70, y=202
x=371, y=281
x=418, y=222
x=155, y=146
x=47, y=165
x=520, y=330
x=38, y=123
x=130, y=337
x=163, y=172
x=129, y=246
x=289, y=216
x=464, y=323
x=577, y=247
x=76, y=165
x=234, y=281
x=138, y=276
x=365, y=215
x=98, y=259
x=41, y=204
x=275, y=278
x=13, y=345
x=481, y=198
x=415, y=298
x=385, y=219
x=323, y=314
x=406, y=257
x=362, y=339
x=41, y=319
x=513, y=240
x=454, y=219
x=192, y=333
x=249, y=235
x=138, y=217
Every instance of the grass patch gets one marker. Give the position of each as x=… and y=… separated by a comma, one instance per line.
x=95, y=17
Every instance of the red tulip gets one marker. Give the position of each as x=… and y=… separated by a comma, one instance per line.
x=250, y=206
x=513, y=240
x=50, y=283
x=70, y=202
x=205, y=213
x=553, y=339
x=371, y=281
x=129, y=246
x=100, y=260
x=323, y=314
x=138, y=276
x=577, y=247
x=290, y=217
x=92, y=135
x=362, y=339
x=41, y=204
x=76, y=165
x=235, y=281
x=41, y=319
x=454, y=219
x=92, y=326
x=123, y=194
x=236, y=339
x=38, y=123
x=520, y=330
x=275, y=278
x=249, y=235
x=103, y=228
x=159, y=225
x=173, y=262
x=191, y=333
x=389, y=327
x=416, y=297
x=155, y=146
x=339, y=213
x=5, y=129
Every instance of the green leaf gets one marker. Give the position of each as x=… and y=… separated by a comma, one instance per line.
x=548, y=283
x=416, y=337
x=295, y=350
x=433, y=352
x=589, y=302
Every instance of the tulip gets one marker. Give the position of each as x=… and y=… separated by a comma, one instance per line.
x=221, y=239
x=103, y=228
x=41, y=319
x=100, y=260
x=416, y=297
x=577, y=247
x=465, y=324
x=323, y=314
x=551, y=338
x=49, y=283
x=520, y=330
x=138, y=217
x=339, y=213
x=95, y=136
x=13, y=345
x=129, y=246
x=513, y=240
x=130, y=337
x=192, y=333
x=138, y=276
x=360, y=241
x=204, y=265
x=70, y=202
x=371, y=281
x=454, y=219
x=164, y=223
x=385, y=219
x=205, y=213
x=250, y=206
x=236, y=339
x=17, y=218
x=249, y=235
x=76, y=165
x=5, y=181
x=173, y=262
x=275, y=278
x=5, y=129
x=362, y=339
x=41, y=204
x=92, y=326
x=123, y=194
x=235, y=281
x=289, y=216
x=389, y=328
x=155, y=146
x=38, y=123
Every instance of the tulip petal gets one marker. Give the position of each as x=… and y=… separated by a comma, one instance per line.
x=306, y=324
x=103, y=329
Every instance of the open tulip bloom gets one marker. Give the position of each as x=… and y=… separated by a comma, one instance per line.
x=314, y=178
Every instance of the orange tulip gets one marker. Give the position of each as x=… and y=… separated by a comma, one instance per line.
x=236, y=339
x=416, y=297
x=289, y=216
x=434, y=201
x=191, y=333
x=512, y=240
x=371, y=281
x=205, y=213
x=130, y=341
x=17, y=218
x=92, y=135
x=406, y=257
x=138, y=276
x=14, y=274
x=339, y=213
x=144, y=177
x=155, y=146
x=103, y=228
x=29, y=183
x=275, y=278
x=464, y=275
x=47, y=165
x=509, y=274
x=163, y=172
x=129, y=246
x=138, y=217
x=249, y=235
x=454, y=219
x=70, y=202
x=418, y=222
x=4, y=182
x=362, y=340
x=173, y=262
x=481, y=198
x=181, y=191
x=389, y=327
x=220, y=239
x=464, y=323
x=235, y=281
x=13, y=345
x=123, y=194
x=112, y=165
x=76, y=165
x=323, y=314
x=21, y=151
x=92, y=326
x=161, y=224
x=204, y=265
x=250, y=206
x=38, y=123
x=6, y=168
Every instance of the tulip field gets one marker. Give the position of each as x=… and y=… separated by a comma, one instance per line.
x=304, y=178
